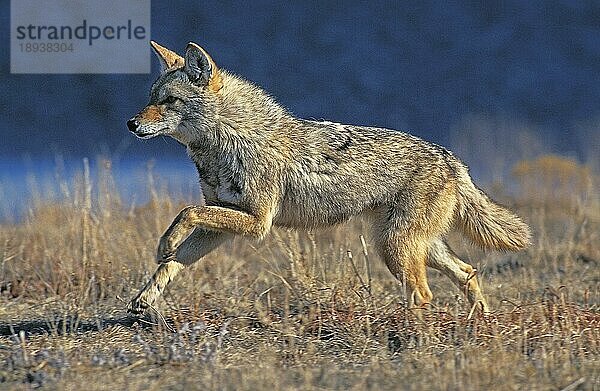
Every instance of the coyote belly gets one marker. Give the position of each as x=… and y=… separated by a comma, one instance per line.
x=261, y=167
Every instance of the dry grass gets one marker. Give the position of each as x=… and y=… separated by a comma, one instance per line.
x=300, y=311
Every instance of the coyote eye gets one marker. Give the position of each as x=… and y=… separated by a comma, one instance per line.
x=170, y=100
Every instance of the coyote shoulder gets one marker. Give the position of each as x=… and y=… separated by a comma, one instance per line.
x=260, y=167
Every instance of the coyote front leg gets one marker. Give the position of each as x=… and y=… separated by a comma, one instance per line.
x=213, y=218
x=154, y=288
x=196, y=246
x=213, y=225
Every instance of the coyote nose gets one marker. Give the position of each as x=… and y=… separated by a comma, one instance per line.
x=133, y=124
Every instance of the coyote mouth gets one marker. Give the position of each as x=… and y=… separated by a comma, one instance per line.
x=151, y=134
x=145, y=135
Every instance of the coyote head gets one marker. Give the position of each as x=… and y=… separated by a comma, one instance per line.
x=183, y=99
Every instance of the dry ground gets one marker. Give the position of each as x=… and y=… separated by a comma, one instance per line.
x=301, y=310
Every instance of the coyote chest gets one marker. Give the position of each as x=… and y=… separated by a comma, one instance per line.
x=221, y=183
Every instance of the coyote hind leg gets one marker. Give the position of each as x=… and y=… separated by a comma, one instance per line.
x=406, y=261
x=440, y=257
x=196, y=246
x=406, y=228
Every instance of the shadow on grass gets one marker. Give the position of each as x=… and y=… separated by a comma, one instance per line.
x=64, y=326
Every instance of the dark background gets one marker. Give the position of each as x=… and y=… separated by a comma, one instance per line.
x=440, y=70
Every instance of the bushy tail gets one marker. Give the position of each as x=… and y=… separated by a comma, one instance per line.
x=487, y=223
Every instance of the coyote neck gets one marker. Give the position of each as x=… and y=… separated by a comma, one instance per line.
x=244, y=124
x=247, y=112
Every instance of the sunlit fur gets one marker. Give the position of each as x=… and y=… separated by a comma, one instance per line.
x=260, y=167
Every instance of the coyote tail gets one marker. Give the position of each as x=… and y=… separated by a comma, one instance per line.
x=487, y=223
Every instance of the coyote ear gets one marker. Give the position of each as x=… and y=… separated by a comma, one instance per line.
x=200, y=68
x=168, y=59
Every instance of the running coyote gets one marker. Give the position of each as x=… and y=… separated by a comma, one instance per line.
x=261, y=167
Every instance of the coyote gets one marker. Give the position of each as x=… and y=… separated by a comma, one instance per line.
x=260, y=167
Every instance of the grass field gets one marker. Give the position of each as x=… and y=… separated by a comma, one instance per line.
x=300, y=310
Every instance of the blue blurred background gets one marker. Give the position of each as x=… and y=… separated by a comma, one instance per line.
x=484, y=78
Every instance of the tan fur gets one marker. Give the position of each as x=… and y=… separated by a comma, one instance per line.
x=151, y=113
x=259, y=167
x=164, y=274
x=168, y=59
x=211, y=218
x=487, y=223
